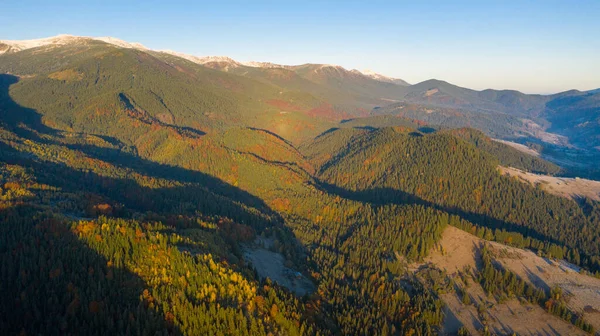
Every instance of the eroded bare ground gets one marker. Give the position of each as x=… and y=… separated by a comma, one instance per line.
x=271, y=265
x=562, y=186
x=519, y=147
x=537, y=131
x=459, y=249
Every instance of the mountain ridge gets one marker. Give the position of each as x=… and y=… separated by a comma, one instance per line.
x=309, y=95
x=19, y=45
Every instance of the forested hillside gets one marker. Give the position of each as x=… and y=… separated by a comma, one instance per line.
x=133, y=186
x=194, y=193
x=504, y=153
x=85, y=87
x=397, y=166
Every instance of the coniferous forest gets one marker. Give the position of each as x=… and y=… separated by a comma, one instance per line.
x=135, y=185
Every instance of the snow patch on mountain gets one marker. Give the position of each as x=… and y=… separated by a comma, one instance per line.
x=383, y=78
x=120, y=43
x=376, y=76
x=267, y=65
x=204, y=59
x=19, y=45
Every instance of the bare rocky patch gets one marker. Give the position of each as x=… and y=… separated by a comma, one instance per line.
x=573, y=188
x=458, y=252
x=272, y=265
x=520, y=147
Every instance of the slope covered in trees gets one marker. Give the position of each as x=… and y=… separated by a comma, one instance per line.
x=395, y=165
x=199, y=213
x=86, y=86
x=205, y=195
x=507, y=155
x=62, y=273
x=147, y=176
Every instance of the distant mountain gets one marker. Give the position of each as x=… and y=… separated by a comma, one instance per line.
x=440, y=93
x=347, y=93
x=19, y=45
x=565, y=118
x=383, y=78
x=332, y=80
x=577, y=116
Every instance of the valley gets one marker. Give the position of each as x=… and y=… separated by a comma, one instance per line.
x=155, y=192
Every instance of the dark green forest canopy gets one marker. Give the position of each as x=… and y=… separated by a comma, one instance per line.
x=399, y=166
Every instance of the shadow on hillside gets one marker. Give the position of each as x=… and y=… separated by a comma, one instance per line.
x=23, y=121
x=383, y=196
x=181, y=192
x=53, y=283
x=209, y=196
x=147, y=119
x=201, y=191
x=427, y=130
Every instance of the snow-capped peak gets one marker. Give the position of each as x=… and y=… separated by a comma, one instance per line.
x=219, y=59
x=120, y=43
x=383, y=78
x=203, y=59
x=375, y=75
x=18, y=45
x=267, y=65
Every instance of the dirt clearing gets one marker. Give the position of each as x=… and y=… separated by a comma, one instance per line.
x=562, y=186
x=519, y=147
x=272, y=265
x=459, y=249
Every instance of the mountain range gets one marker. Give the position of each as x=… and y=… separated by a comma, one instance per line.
x=152, y=192
x=334, y=93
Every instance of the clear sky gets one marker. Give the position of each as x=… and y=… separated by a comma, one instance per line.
x=532, y=46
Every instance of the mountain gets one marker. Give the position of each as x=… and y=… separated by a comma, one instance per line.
x=565, y=124
x=443, y=94
x=577, y=116
x=399, y=165
x=351, y=91
x=98, y=79
x=331, y=93
x=59, y=40
x=296, y=102
x=278, y=98
x=352, y=81
x=383, y=78
x=144, y=192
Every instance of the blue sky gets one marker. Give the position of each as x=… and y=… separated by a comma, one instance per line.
x=532, y=46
